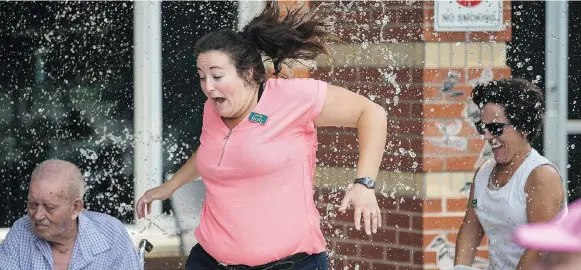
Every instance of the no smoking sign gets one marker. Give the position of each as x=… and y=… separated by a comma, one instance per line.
x=468, y=3
x=468, y=15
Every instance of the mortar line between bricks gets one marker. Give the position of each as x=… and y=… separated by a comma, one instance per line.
x=406, y=136
x=397, y=263
x=453, y=231
x=338, y=133
x=393, y=229
x=444, y=214
x=440, y=102
x=343, y=151
x=380, y=244
x=405, y=8
x=350, y=224
x=409, y=213
x=405, y=118
x=409, y=230
x=408, y=101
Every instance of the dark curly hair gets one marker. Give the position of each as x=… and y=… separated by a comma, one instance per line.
x=523, y=103
x=295, y=36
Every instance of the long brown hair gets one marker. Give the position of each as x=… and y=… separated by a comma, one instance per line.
x=296, y=35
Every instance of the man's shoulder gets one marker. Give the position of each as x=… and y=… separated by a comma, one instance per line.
x=104, y=221
x=102, y=218
x=22, y=225
x=108, y=228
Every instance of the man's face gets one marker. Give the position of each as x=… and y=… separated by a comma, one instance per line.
x=51, y=208
x=559, y=261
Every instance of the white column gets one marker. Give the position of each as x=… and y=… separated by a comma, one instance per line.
x=148, y=171
x=248, y=9
x=556, y=83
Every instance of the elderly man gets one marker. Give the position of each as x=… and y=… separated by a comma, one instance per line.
x=59, y=234
x=559, y=240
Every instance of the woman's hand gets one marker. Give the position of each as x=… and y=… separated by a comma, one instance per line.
x=364, y=202
x=162, y=192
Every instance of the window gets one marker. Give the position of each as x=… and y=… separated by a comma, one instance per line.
x=66, y=91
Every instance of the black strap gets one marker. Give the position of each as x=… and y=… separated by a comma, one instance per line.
x=260, y=91
x=282, y=264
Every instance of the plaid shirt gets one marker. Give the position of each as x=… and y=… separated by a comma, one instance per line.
x=102, y=244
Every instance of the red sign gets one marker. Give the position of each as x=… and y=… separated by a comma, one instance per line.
x=469, y=3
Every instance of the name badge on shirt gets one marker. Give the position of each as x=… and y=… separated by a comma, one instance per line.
x=474, y=203
x=258, y=118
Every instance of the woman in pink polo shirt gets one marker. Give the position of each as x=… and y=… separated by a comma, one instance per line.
x=258, y=149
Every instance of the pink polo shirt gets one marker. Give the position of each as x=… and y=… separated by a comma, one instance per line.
x=259, y=178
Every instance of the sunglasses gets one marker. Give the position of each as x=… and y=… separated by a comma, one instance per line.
x=496, y=129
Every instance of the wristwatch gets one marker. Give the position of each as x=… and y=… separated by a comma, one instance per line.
x=366, y=181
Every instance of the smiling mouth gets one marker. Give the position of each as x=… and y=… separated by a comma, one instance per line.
x=495, y=144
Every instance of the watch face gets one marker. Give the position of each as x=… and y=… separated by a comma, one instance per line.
x=368, y=182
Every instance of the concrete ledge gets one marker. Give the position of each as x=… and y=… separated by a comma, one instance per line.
x=421, y=185
x=374, y=55
x=465, y=54
x=446, y=184
x=391, y=183
x=3, y=232
x=416, y=54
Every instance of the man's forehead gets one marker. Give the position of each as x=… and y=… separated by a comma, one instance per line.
x=46, y=189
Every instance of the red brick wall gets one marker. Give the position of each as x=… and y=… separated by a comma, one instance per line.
x=397, y=243
x=420, y=102
x=338, y=146
x=403, y=242
x=410, y=223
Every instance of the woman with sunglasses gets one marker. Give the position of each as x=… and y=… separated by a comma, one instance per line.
x=518, y=186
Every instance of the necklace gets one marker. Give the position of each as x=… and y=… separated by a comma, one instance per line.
x=492, y=183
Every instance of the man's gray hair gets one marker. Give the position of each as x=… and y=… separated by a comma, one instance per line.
x=62, y=169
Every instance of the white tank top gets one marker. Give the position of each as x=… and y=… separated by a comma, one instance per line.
x=501, y=210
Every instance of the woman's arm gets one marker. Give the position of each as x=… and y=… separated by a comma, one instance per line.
x=348, y=109
x=187, y=173
x=470, y=234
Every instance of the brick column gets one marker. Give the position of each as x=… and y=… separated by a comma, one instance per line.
x=452, y=149
x=393, y=56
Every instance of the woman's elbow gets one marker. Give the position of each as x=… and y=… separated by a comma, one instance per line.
x=379, y=114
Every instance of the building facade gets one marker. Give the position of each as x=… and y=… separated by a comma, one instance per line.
x=66, y=91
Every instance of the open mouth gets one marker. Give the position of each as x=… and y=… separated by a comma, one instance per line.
x=495, y=144
x=219, y=100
